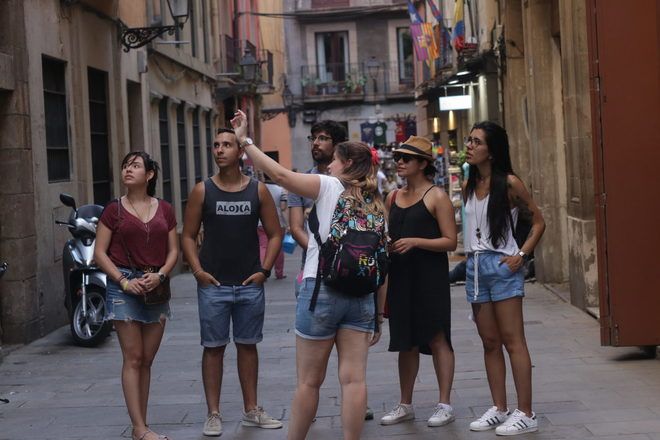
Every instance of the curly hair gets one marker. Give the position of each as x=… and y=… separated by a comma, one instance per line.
x=359, y=177
x=336, y=131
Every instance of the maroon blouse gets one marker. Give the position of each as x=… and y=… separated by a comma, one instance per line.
x=147, y=243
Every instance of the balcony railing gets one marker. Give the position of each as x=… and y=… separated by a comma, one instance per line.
x=399, y=78
x=335, y=79
x=340, y=81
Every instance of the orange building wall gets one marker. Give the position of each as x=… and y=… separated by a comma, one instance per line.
x=276, y=136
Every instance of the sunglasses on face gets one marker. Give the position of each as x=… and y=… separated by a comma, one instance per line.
x=321, y=138
x=400, y=156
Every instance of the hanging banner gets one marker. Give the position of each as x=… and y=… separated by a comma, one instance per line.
x=422, y=35
x=458, y=36
x=414, y=15
x=441, y=34
x=424, y=43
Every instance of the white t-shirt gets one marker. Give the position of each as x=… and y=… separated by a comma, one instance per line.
x=329, y=192
x=276, y=192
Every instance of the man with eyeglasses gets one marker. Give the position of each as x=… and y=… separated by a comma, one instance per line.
x=324, y=136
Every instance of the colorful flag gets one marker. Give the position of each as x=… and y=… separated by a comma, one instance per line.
x=422, y=34
x=443, y=39
x=424, y=43
x=414, y=15
x=458, y=36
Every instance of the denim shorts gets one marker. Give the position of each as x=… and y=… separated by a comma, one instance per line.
x=495, y=281
x=122, y=306
x=243, y=306
x=333, y=311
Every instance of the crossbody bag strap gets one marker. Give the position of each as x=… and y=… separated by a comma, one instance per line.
x=313, y=221
x=121, y=237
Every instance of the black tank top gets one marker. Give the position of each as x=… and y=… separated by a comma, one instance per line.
x=230, y=250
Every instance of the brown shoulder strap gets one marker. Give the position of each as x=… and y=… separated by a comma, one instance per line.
x=121, y=236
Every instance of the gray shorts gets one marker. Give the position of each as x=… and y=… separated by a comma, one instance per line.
x=243, y=306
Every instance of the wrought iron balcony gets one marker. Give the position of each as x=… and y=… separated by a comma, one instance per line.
x=337, y=80
x=351, y=82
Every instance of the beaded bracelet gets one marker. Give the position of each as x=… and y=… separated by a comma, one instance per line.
x=197, y=271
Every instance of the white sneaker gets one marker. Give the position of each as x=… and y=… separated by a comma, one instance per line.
x=518, y=423
x=213, y=425
x=489, y=420
x=259, y=418
x=443, y=414
x=399, y=414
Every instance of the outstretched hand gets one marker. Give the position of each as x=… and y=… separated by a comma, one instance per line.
x=240, y=125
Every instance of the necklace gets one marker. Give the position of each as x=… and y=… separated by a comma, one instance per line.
x=144, y=224
x=480, y=218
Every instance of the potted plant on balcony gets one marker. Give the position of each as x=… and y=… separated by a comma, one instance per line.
x=354, y=85
x=310, y=84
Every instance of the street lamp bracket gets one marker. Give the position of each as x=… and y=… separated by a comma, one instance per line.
x=133, y=38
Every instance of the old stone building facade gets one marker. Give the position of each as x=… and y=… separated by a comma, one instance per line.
x=528, y=70
x=73, y=103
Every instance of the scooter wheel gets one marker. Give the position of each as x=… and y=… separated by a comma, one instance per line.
x=89, y=329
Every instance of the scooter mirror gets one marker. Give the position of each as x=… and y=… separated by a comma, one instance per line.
x=68, y=200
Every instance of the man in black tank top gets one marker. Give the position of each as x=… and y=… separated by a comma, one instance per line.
x=230, y=275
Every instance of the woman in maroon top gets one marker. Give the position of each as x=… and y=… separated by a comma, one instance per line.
x=137, y=232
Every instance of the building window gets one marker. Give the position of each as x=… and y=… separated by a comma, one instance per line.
x=209, y=143
x=183, y=162
x=55, y=114
x=165, y=166
x=97, y=82
x=332, y=55
x=405, y=54
x=197, y=149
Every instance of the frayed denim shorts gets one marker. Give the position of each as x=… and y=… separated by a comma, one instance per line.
x=122, y=306
x=487, y=279
x=332, y=312
x=242, y=306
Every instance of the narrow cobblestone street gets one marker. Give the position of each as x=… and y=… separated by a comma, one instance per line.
x=581, y=390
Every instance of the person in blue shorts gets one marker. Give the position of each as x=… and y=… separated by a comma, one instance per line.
x=494, y=198
x=230, y=274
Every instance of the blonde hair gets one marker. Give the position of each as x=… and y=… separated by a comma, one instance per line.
x=359, y=177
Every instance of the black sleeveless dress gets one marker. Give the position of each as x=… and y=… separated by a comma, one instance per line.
x=418, y=287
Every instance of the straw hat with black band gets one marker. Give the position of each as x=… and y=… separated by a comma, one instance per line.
x=416, y=146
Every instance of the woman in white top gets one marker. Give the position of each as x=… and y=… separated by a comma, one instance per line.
x=341, y=320
x=494, y=197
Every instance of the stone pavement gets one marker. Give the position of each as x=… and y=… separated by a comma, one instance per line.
x=581, y=390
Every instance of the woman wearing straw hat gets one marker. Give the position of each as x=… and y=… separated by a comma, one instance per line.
x=422, y=229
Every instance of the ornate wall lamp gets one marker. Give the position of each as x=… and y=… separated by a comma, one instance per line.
x=132, y=38
x=289, y=105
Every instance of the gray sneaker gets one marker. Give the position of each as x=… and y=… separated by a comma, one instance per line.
x=259, y=418
x=400, y=413
x=213, y=425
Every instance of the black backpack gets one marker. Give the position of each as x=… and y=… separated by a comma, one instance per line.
x=354, y=263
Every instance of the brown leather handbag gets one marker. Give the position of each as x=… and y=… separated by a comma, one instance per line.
x=160, y=294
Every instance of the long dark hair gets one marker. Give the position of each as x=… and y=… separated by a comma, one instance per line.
x=499, y=210
x=149, y=165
